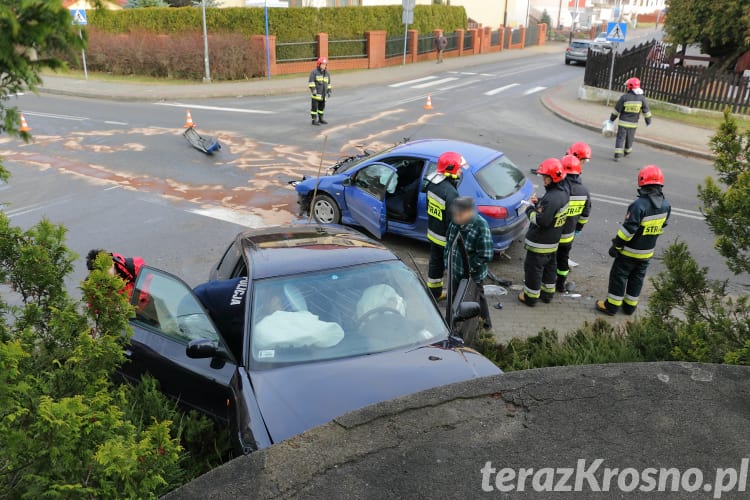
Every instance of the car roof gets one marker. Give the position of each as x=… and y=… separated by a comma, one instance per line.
x=294, y=249
x=581, y=40
x=476, y=156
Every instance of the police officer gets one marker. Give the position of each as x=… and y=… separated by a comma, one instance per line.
x=320, y=88
x=579, y=209
x=629, y=108
x=547, y=216
x=634, y=244
x=442, y=189
x=225, y=302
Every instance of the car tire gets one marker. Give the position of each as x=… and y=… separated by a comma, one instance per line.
x=567, y=61
x=325, y=210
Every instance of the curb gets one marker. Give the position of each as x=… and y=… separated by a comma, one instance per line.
x=171, y=97
x=547, y=101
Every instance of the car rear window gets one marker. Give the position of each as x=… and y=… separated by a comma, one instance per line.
x=500, y=178
x=579, y=45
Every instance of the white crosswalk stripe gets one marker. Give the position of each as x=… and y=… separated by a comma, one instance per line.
x=410, y=82
x=501, y=89
x=435, y=82
x=534, y=90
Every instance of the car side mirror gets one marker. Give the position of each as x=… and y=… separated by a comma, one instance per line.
x=203, y=349
x=467, y=310
x=347, y=182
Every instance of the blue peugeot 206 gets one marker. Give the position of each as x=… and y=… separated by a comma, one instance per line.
x=385, y=192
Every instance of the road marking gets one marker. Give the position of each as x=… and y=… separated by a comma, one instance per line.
x=55, y=116
x=466, y=73
x=534, y=90
x=214, y=108
x=501, y=89
x=462, y=84
x=624, y=202
x=411, y=99
x=110, y=188
x=486, y=74
x=36, y=206
x=435, y=82
x=110, y=122
x=232, y=216
x=409, y=82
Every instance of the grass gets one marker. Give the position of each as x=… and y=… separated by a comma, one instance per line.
x=697, y=119
x=106, y=77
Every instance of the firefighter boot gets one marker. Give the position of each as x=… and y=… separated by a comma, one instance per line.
x=560, y=283
x=321, y=120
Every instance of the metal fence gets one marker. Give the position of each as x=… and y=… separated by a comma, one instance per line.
x=532, y=35
x=296, y=51
x=495, y=38
x=425, y=44
x=515, y=37
x=691, y=86
x=347, y=49
x=394, y=46
x=468, y=40
x=452, y=39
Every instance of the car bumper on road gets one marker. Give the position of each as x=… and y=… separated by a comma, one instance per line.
x=504, y=236
x=576, y=57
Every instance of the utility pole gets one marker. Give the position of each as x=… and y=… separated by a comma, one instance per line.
x=206, y=66
x=505, y=14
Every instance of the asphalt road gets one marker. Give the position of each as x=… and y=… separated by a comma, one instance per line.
x=119, y=175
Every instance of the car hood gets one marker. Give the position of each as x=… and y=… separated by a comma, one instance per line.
x=297, y=398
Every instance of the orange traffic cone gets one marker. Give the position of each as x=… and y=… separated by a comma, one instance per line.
x=24, y=126
x=189, y=120
x=428, y=104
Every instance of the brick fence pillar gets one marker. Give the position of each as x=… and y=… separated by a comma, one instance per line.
x=375, y=49
x=322, y=39
x=259, y=43
x=501, y=33
x=475, y=41
x=486, y=38
x=541, y=34
x=523, y=37
x=413, y=45
x=460, y=41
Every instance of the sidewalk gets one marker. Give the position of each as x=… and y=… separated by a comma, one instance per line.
x=664, y=134
x=124, y=91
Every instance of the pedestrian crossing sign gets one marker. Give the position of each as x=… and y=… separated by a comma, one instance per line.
x=79, y=17
x=616, y=32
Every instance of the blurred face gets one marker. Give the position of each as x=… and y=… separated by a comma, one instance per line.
x=323, y=66
x=547, y=180
x=462, y=217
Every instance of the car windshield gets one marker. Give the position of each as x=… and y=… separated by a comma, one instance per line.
x=580, y=45
x=500, y=178
x=340, y=313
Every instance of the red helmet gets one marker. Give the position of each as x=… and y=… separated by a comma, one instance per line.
x=322, y=60
x=580, y=150
x=649, y=175
x=571, y=165
x=633, y=83
x=450, y=164
x=553, y=168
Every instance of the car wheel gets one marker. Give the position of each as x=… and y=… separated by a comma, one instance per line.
x=567, y=61
x=325, y=210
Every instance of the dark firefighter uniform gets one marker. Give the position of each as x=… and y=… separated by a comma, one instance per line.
x=320, y=88
x=441, y=191
x=547, y=220
x=633, y=248
x=579, y=209
x=628, y=109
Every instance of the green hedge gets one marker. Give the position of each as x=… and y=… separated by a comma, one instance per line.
x=293, y=24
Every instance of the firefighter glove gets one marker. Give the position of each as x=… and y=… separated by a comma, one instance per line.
x=329, y=93
x=613, y=251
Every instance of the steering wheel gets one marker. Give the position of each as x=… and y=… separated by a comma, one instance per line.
x=372, y=313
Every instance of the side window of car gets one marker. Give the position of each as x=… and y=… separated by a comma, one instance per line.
x=167, y=306
x=376, y=179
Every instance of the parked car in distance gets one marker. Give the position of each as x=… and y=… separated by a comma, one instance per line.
x=577, y=51
x=384, y=192
x=329, y=321
x=601, y=37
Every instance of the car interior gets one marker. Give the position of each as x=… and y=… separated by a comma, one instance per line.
x=401, y=205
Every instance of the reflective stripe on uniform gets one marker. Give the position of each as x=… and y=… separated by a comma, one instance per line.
x=434, y=282
x=624, y=234
x=583, y=221
x=562, y=273
x=567, y=238
x=653, y=225
x=618, y=151
x=614, y=300
x=628, y=124
x=437, y=239
x=548, y=288
x=576, y=205
x=534, y=294
x=630, y=300
x=436, y=199
x=637, y=254
x=532, y=246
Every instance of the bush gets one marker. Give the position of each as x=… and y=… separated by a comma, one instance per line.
x=289, y=25
x=233, y=56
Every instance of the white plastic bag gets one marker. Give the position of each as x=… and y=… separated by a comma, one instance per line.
x=608, y=128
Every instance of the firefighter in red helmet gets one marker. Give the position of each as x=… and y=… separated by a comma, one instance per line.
x=628, y=109
x=442, y=189
x=580, y=150
x=547, y=217
x=579, y=209
x=320, y=88
x=634, y=244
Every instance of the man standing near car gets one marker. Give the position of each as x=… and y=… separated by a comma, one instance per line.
x=442, y=189
x=320, y=88
x=629, y=108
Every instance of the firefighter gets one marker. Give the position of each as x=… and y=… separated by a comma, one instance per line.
x=579, y=209
x=442, y=189
x=125, y=268
x=634, y=244
x=580, y=150
x=547, y=217
x=629, y=108
x=320, y=88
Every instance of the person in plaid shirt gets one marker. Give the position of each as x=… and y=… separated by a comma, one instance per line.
x=478, y=242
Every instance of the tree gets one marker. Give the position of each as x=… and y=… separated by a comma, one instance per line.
x=720, y=27
x=726, y=203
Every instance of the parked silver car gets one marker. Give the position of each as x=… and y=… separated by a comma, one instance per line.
x=577, y=51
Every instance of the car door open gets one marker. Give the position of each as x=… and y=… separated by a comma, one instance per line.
x=365, y=196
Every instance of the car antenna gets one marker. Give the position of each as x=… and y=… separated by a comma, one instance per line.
x=317, y=179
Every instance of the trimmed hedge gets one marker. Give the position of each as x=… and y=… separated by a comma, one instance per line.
x=289, y=25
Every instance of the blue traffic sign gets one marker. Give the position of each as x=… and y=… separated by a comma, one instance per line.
x=616, y=32
x=79, y=17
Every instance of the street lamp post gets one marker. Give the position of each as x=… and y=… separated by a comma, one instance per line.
x=505, y=14
x=206, y=66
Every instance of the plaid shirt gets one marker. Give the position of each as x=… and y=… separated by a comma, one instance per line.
x=478, y=241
